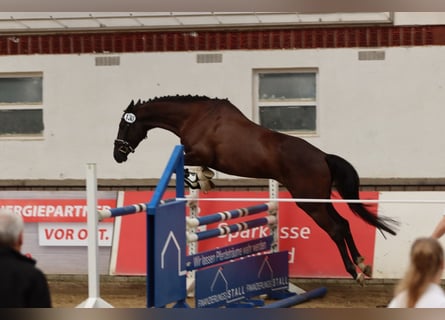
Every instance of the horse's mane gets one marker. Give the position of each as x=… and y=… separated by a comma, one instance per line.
x=176, y=98
x=181, y=98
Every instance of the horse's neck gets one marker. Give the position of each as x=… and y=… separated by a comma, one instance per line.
x=166, y=115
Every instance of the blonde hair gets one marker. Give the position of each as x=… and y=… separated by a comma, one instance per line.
x=11, y=226
x=426, y=260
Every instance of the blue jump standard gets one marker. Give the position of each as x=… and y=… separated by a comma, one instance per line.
x=297, y=299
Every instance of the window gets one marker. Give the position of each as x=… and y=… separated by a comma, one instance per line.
x=286, y=100
x=21, y=112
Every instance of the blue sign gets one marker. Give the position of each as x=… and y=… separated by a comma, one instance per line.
x=240, y=280
x=169, y=258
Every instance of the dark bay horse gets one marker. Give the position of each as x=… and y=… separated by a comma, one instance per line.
x=217, y=135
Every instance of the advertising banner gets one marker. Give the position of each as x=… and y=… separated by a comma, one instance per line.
x=56, y=233
x=72, y=234
x=61, y=221
x=53, y=210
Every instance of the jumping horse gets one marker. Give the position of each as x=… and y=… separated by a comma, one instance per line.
x=217, y=135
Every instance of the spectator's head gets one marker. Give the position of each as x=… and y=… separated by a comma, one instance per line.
x=11, y=229
x=427, y=257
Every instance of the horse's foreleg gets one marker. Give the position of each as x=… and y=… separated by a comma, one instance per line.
x=204, y=176
x=196, y=157
x=204, y=173
x=199, y=178
x=191, y=179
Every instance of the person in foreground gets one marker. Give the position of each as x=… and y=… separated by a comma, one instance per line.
x=21, y=283
x=420, y=287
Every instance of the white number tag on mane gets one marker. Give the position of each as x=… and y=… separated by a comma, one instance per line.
x=129, y=117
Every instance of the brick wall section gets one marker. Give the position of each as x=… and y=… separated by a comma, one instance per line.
x=163, y=41
x=366, y=184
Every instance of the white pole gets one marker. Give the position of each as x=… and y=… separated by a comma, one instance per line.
x=94, y=300
x=273, y=194
x=93, y=244
x=193, y=246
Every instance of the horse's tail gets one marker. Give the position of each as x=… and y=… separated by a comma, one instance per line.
x=347, y=183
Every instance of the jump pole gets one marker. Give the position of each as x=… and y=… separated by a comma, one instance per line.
x=94, y=300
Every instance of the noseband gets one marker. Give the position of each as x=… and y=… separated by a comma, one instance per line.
x=123, y=145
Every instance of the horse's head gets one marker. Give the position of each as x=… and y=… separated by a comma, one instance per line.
x=131, y=133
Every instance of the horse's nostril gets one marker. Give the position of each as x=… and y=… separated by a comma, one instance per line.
x=119, y=158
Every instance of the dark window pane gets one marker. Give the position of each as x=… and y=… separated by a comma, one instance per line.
x=288, y=118
x=287, y=86
x=21, y=121
x=21, y=90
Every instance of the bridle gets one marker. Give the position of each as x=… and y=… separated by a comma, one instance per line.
x=123, y=145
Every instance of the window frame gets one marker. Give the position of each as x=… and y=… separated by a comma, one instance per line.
x=23, y=106
x=258, y=103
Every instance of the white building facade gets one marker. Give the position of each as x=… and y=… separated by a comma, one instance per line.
x=370, y=86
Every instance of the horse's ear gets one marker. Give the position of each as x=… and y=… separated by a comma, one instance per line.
x=131, y=103
x=139, y=101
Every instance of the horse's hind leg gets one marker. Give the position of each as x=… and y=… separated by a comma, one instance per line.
x=329, y=223
x=355, y=254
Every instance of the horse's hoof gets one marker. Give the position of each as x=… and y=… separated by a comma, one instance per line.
x=207, y=173
x=203, y=176
x=367, y=270
x=360, y=279
x=191, y=179
x=205, y=185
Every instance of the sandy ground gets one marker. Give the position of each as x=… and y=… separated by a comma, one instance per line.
x=129, y=292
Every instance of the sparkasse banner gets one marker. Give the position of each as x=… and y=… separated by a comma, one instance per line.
x=310, y=250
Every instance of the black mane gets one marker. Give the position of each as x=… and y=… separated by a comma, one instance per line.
x=180, y=98
x=176, y=98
